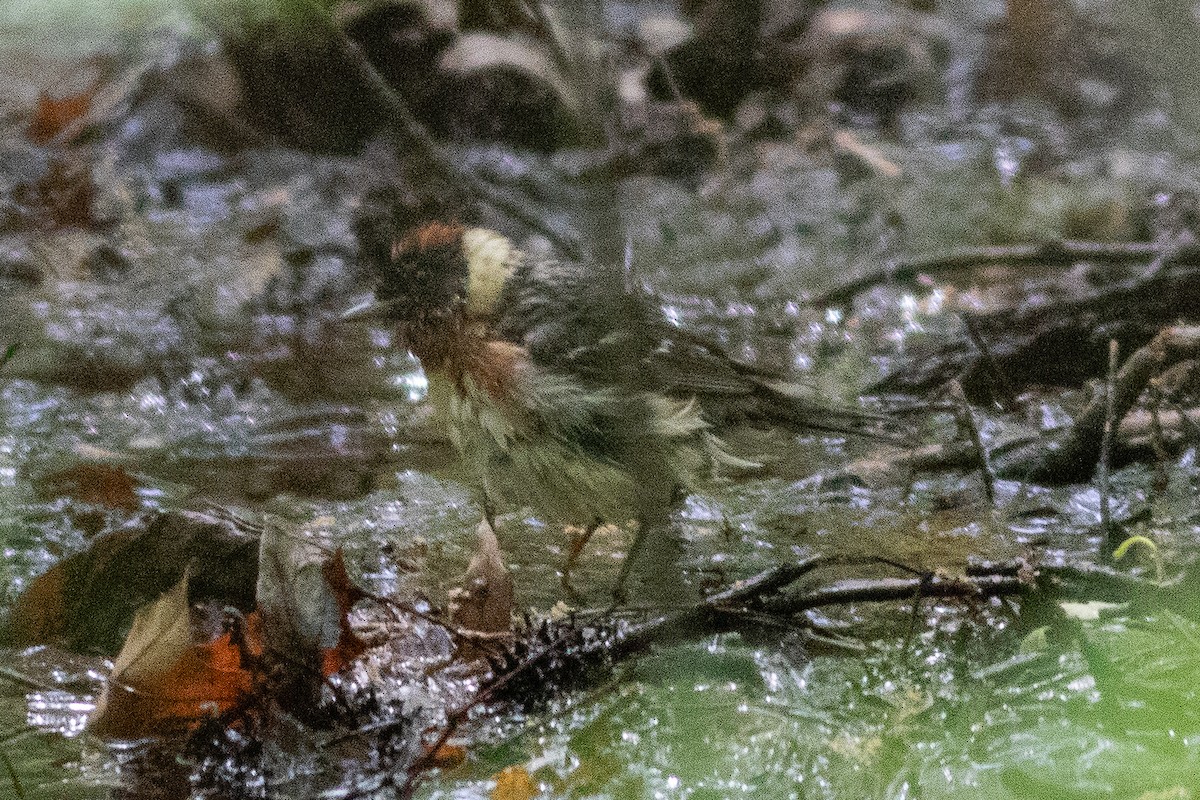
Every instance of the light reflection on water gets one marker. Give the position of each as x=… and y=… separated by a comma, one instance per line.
x=414, y=385
x=715, y=735
x=59, y=712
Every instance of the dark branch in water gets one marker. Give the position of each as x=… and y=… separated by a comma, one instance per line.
x=455, y=720
x=1076, y=455
x=563, y=656
x=878, y=590
x=1061, y=252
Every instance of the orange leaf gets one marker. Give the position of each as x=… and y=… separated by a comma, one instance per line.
x=346, y=594
x=162, y=680
x=344, y=590
x=514, y=783
x=53, y=115
x=448, y=756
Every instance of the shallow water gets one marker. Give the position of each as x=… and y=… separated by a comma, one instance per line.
x=213, y=369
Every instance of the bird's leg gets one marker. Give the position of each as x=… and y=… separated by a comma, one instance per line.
x=654, y=542
x=620, y=594
x=489, y=513
x=578, y=542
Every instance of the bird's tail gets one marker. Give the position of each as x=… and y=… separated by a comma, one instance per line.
x=791, y=405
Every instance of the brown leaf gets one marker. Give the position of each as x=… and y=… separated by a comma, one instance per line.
x=39, y=615
x=85, y=600
x=346, y=593
x=99, y=484
x=486, y=600
x=54, y=115
x=162, y=680
x=305, y=599
x=514, y=783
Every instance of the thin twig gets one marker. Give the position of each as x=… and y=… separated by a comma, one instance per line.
x=455, y=632
x=719, y=612
x=1054, y=252
x=879, y=590
x=542, y=26
x=437, y=160
x=669, y=76
x=967, y=418
x=914, y=616
x=12, y=775
x=1158, y=443
x=21, y=679
x=993, y=366
x=1170, y=252
x=1110, y=424
x=455, y=721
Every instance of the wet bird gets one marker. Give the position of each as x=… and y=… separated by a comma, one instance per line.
x=565, y=391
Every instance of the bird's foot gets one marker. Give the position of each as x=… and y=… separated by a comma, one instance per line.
x=579, y=540
x=574, y=596
x=620, y=595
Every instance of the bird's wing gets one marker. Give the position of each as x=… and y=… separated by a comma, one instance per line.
x=731, y=391
x=590, y=326
x=580, y=324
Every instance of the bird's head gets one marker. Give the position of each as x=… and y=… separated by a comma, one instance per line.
x=439, y=272
x=440, y=279
x=424, y=281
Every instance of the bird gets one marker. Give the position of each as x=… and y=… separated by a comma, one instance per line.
x=569, y=392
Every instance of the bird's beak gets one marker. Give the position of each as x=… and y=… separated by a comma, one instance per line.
x=367, y=309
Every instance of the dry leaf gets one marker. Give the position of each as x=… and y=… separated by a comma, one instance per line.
x=514, y=783
x=98, y=484
x=304, y=599
x=162, y=680
x=54, y=115
x=40, y=615
x=486, y=600
x=346, y=593
x=85, y=600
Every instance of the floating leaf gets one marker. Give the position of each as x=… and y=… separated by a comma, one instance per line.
x=163, y=680
x=486, y=600
x=299, y=610
x=304, y=599
x=1090, y=610
x=40, y=615
x=87, y=599
x=99, y=484
x=514, y=783
x=1153, y=662
x=346, y=593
